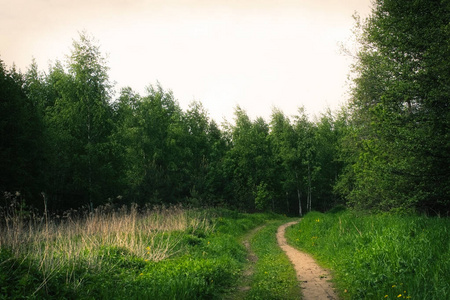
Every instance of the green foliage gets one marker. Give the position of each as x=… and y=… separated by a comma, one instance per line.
x=91, y=149
x=400, y=117
x=233, y=222
x=249, y=162
x=372, y=256
x=21, y=130
x=388, y=150
x=81, y=169
x=307, y=159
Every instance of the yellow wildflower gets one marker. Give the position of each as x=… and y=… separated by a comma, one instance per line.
x=399, y=296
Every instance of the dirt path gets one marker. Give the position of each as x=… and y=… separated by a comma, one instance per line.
x=314, y=280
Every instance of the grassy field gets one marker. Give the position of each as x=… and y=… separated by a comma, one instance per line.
x=176, y=253
x=379, y=256
x=274, y=276
x=130, y=253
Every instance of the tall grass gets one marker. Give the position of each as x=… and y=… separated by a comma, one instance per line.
x=61, y=246
x=79, y=234
x=126, y=253
x=380, y=256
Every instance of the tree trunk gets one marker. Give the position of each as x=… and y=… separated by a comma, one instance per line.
x=309, y=189
x=299, y=195
x=89, y=142
x=287, y=202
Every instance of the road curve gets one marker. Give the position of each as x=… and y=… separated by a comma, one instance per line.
x=313, y=279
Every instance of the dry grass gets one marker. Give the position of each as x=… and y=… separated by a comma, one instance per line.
x=151, y=234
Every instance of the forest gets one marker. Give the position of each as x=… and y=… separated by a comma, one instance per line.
x=69, y=141
x=109, y=194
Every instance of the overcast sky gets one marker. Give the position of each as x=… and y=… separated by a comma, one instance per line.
x=255, y=54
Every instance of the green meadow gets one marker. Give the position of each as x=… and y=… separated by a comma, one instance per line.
x=379, y=256
x=181, y=253
x=130, y=253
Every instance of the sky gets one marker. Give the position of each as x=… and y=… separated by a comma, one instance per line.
x=258, y=55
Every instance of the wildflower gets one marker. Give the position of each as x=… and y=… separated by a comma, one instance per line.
x=385, y=296
x=141, y=274
x=399, y=296
x=394, y=286
x=318, y=220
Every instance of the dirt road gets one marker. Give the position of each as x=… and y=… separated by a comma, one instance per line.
x=314, y=280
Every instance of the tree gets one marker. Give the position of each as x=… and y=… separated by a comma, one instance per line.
x=248, y=163
x=80, y=121
x=217, y=181
x=21, y=143
x=327, y=135
x=282, y=138
x=400, y=106
x=196, y=152
x=305, y=152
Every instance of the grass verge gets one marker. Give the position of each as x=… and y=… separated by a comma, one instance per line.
x=379, y=256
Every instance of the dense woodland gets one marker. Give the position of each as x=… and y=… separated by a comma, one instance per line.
x=67, y=140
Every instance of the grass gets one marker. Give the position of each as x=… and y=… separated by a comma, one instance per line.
x=379, y=256
x=132, y=253
x=274, y=276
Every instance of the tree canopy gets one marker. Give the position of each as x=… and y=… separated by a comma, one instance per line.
x=400, y=108
x=67, y=140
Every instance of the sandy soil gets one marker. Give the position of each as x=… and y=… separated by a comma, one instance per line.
x=314, y=280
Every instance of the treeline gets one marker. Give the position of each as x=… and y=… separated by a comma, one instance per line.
x=68, y=141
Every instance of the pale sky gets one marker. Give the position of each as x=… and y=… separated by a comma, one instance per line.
x=255, y=54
